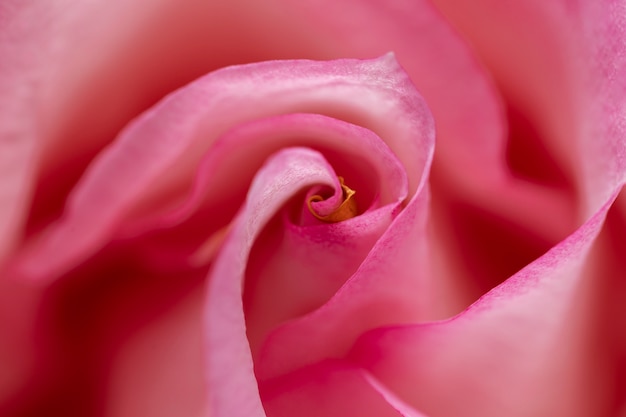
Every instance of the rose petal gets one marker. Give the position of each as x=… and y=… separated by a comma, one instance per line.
x=65, y=97
x=604, y=145
x=392, y=285
x=156, y=156
x=238, y=154
x=18, y=347
x=16, y=171
x=606, y=264
x=437, y=59
x=332, y=388
x=567, y=75
x=527, y=346
x=403, y=408
x=535, y=69
x=18, y=136
x=294, y=269
x=156, y=372
x=470, y=164
x=233, y=389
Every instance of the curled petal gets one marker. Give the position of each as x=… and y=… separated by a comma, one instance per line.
x=154, y=159
x=233, y=341
x=391, y=285
x=233, y=389
x=346, y=209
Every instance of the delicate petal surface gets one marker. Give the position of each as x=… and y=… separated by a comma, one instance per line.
x=297, y=265
x=547, y=328
x=233, y=388
x=401, y=243
x=58, y=95
x=390, y=286
x=523, y=349
x=567, y=76
x=332, y=389
x=132, y=179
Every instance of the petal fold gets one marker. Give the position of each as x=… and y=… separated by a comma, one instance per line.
x=332, y=388
x=154, y=160
x=528, y=346
x=233, y=388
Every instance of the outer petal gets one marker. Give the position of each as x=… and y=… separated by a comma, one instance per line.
x=18, y=135
x=156, y=370
x=566, y=75
x=332, y=389
x=604, y=32
x=525, y=348
x=606, y=266
x=573, y=61
x=16, y=170
x=61, y=103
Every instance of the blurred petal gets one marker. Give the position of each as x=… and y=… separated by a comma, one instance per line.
x=525, y=348
x=332, y=389
x=65, y=102
x=567, y=76
x=604, y=141
x=155, y=373
x=18, y=134
x=16, y=171
x=605, y=267
x=18, y=315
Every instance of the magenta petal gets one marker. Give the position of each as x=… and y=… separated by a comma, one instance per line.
x=525, y=346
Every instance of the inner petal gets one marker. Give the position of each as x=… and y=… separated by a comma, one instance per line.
x=346, y=209
x=301, y=259
x=229, y=362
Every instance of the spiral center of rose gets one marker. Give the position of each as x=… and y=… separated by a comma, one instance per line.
x=346, y=210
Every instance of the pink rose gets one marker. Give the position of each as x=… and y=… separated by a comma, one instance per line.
x=331, y=208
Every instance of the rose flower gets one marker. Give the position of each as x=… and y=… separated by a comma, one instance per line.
x=331, y=208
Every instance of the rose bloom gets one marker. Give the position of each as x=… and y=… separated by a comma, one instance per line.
x=313, y=208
